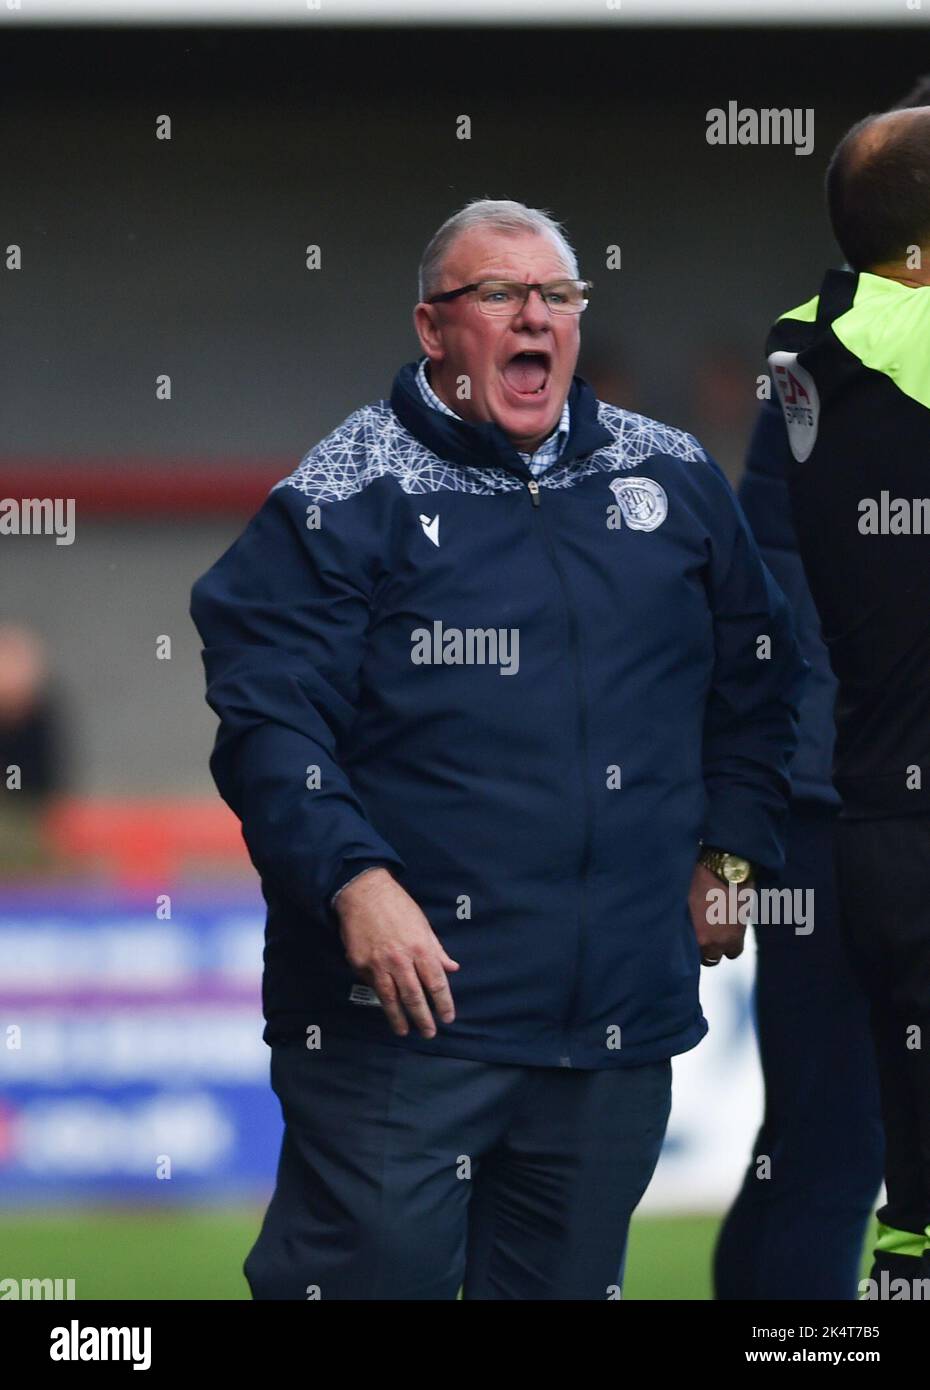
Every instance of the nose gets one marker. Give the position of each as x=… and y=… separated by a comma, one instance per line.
x=535, y=312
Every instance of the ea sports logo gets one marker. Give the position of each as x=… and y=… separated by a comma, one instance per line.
x=642, y=501
x=800, y=403
x=792, y=392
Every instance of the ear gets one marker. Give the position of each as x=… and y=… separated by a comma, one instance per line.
x=426, y=324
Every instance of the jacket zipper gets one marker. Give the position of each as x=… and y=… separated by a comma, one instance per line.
x=534, y=491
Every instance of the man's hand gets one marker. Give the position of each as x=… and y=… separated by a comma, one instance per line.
x=392, y=947
x=717, y=938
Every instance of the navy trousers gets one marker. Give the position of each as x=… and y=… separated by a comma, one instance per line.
x=798, y=1233
x=407, y=1175
x=883, y=872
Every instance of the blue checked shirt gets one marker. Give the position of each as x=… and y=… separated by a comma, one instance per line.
x=548, y=451
x=537, y=463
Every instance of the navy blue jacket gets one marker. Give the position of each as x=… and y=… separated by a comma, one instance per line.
x=530, y=699
x=764, y=495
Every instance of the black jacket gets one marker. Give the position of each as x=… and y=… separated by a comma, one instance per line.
x=852, y=371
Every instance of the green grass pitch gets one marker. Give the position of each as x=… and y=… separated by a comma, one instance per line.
x=197, y=1253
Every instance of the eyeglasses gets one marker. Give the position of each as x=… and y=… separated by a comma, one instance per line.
x=501, y=298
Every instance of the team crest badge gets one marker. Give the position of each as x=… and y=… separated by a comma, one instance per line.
x=800, y=403
x=642, y=501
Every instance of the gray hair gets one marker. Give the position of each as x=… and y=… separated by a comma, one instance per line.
x=499, y=214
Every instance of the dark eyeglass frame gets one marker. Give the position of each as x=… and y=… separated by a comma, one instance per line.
x=537, y=285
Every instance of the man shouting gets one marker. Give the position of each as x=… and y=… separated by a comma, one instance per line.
x=504, y=691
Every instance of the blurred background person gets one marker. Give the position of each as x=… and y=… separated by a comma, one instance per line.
x=33, y=747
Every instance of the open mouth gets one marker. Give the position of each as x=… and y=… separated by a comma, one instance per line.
x=527, y=373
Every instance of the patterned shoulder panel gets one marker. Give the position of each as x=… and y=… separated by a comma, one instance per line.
x=372, y=443
x=636, y=439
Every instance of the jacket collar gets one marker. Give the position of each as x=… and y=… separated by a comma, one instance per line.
x=486, y=445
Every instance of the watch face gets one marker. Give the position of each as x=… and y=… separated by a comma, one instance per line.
x=735, y=870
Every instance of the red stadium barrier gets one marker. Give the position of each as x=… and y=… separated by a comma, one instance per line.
x=145, y=840
x=148, y=486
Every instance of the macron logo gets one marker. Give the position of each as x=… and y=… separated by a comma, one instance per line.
x=430, y=527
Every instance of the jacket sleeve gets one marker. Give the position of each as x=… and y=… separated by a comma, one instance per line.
x=763, y=495
x=283, y=617
x=751, y=716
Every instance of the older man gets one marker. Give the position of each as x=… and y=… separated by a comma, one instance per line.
x=494, y=667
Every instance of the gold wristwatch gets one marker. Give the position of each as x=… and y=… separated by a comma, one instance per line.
x=729, y=868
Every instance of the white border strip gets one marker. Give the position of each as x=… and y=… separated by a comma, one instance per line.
x=441, y=12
